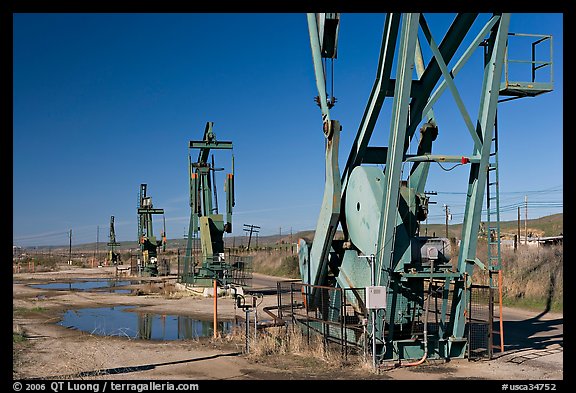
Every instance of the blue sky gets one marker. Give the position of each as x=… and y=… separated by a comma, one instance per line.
x=105, y=102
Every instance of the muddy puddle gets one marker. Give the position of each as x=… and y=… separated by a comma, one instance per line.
x=127, y=321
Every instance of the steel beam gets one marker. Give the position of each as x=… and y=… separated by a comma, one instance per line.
x=376, y=99
x=478, y=171
x=449, y=79
x=447, y=48
x=405, y=65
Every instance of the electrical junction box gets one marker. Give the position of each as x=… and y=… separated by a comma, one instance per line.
x=376, y=297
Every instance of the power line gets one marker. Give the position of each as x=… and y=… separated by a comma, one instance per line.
x=41, y=236
x=547, y=190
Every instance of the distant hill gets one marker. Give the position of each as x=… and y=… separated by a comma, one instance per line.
x=552, y=225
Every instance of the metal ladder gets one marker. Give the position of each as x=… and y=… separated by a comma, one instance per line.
x=494, y=245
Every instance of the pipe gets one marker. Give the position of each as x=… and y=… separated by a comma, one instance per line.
x=425, y=320
x=277, y=321
x=215, y=309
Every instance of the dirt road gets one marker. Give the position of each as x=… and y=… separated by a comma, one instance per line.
x=533, y=341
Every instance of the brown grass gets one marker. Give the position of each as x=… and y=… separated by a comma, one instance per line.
x=290, y=342
x=532, y=277
x=276, y=263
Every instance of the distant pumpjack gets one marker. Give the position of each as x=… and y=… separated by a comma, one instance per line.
x=114, y=257
x=146, y=239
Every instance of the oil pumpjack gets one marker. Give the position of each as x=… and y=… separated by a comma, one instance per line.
x=416, y=295
x=114, y=257
x=149, y=246
x=209, y=262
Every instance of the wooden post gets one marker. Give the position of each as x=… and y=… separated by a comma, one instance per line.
x=518, y=224
x=526, y=219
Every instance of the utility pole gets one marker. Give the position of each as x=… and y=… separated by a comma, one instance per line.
x=95, y=248
x=526, y=219
x=70, y=250
x=97, y=242
x=249, y=228
x=447, y=216
x=517, y=241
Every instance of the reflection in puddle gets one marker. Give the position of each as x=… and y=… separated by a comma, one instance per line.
x=85, y=285
x=117, y=321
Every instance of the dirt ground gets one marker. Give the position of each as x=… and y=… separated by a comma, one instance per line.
x=533, y=349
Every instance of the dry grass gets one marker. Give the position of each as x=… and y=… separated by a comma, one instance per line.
x=532, y=276
x=276, y=263
x=289, y=342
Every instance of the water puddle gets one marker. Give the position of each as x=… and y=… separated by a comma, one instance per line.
x=121, y=321
x=86, y=285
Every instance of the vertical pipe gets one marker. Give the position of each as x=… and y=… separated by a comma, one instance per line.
x=279, y=299
x=247, y=323
x=343, y=319
x=373, y=312
x=215, y=309
x=255, y=321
